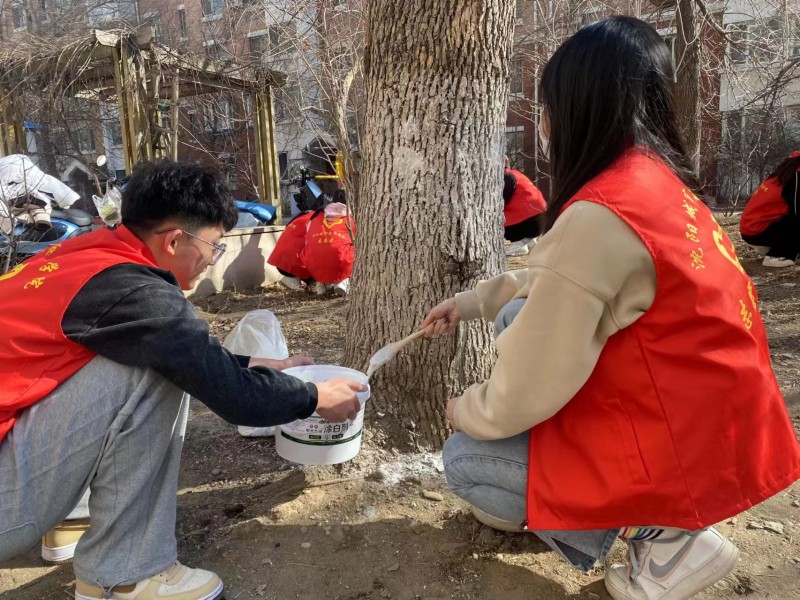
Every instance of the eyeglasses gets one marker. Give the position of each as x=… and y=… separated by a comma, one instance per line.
x=219, y=249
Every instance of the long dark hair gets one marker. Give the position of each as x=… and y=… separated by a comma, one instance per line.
x=605, y=89
x=787, y=169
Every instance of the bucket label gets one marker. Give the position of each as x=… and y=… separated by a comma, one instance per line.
x=316, y=431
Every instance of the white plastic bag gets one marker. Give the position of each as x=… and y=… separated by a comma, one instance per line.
x=257, y=334
x=109, y=207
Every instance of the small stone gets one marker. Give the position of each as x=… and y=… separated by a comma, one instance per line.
x=414, y=479
x=796, y=503
x=435, y=496
x=754, y=525
x=771, y=566
x=386, y=593
x=461, y=518
x=500, y=557
x=475, y=556
x=266, y=561
x=592, y=596
x=393, y=567
x=305, y=545
x=369, y=511
x=774, y=527
x=439, y=469
x=216, y=471
x=733, y=521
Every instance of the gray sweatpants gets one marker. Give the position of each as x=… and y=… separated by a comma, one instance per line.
x=117, y=431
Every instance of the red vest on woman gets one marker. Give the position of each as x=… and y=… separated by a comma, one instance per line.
x=35, y=355
x=681, y=423
x=329, y=253
x=526, y=202
x=765, y=206
x=286, y=254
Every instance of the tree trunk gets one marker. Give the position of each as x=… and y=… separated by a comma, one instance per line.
x=688, y=23
x=430, y=207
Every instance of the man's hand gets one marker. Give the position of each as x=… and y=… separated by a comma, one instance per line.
x=282, y=363
x=337, y=400
x=444, y=317
x=451, y=414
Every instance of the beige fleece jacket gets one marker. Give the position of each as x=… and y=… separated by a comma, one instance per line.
x=587, y=278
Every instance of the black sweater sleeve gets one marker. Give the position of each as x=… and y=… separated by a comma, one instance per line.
x=791, y=193
x=138, y=316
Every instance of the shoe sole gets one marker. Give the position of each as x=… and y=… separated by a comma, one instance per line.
x=58, y=555
x=719, y=565
x=495, y=522
x=212, y=596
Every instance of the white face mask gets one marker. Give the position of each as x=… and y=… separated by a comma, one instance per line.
x=545, y=141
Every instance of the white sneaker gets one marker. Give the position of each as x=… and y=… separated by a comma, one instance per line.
x=672, y=569
x=495, y=522
x=761, y=250
x=176, y=583
x=342, y=288
x=293, y=283
x=776, y=262
x=520, y=248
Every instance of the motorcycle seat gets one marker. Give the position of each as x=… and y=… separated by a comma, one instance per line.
x=81, y=218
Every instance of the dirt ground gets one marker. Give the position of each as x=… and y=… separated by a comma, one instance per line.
x=364, y=530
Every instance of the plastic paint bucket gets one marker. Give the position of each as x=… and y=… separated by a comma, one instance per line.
x=316, y=441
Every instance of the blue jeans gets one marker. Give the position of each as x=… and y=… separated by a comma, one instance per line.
x=492, y=475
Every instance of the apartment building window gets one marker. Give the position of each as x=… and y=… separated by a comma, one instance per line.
x=515, y=85
x=212, y=9
x=85, y=140
x=211, y=49
x=765, y=39
x=115, y=133
x=259, y=43
x=738, y=50
x=219, y=115
x=282, y=37
x=231, y=178
x=184, y=30
x=18, y=17
x=515, y=142
x=283, y=165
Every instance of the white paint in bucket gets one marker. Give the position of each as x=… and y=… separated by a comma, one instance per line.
x=316, y=441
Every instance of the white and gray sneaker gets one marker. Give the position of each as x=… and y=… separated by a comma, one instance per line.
x=293, y=283
x=778, y=262
x=672, y=569
x=521, y=247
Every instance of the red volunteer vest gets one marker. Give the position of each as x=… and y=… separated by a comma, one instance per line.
x=286, y=254
x=526, y=202
x=765, y=206
x=35, y=356
x=681, y=423
x=329, y=253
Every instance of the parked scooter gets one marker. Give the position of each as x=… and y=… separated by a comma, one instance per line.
x=35, y=211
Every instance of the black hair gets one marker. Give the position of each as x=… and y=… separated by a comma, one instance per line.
x=608, y=88
x=194, y=195
x=787, y=169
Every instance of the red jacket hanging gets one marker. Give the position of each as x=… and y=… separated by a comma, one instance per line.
x=329, y=252
x=681, y=423
x=526, y=200
x=286, y=254
x=35, y=355
x=765, y=207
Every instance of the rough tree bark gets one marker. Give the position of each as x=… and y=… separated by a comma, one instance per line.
x=689, y=22
x=430, y=203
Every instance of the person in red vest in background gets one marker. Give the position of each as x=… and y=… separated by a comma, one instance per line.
x=771, y=219
x=286, y=255
x=99, y=352
x=329, y=251
x=523, y=208
x=632, y=396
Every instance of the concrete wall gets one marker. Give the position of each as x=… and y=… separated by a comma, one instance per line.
x=244, y=264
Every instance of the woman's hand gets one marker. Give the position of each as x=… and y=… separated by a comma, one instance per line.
x=444, y=317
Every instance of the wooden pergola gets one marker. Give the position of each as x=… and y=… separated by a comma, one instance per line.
x=144, y=78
